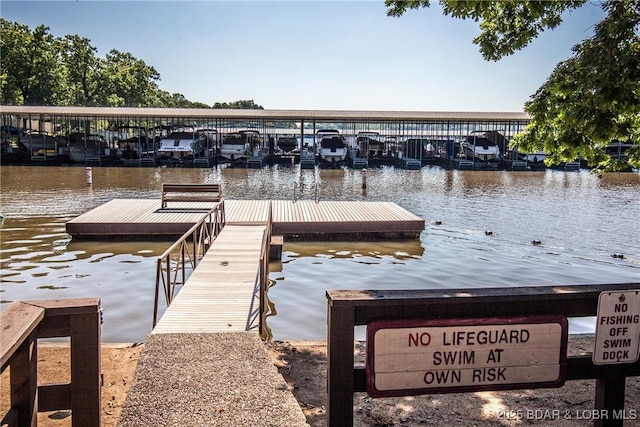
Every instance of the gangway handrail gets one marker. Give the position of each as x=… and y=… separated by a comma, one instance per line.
x=171, y=266
x=263, y=274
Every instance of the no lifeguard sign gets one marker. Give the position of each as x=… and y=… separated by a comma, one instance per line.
x=617, y=328
x=450, y=356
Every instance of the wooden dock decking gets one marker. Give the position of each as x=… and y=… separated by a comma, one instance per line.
x=307, y=217
x=219, y=295
x=137, y=217
x=143, y=217
x=216, y=313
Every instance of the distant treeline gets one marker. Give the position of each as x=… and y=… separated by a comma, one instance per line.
x=40, y=69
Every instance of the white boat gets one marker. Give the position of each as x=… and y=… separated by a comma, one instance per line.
x=238, y=145
x=182, y=144
x=332, y=147
x=86, y=147
x=482, y=145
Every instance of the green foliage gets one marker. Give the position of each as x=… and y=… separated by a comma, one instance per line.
x=129, y=78
x=163, y=99
x=85, y=72
x=247, y=104
x=399, y=7
x=39, y=69
x=30, y=67
x=590, y=99
x=506, y=26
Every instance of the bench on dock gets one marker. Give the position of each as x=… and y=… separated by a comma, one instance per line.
x=190, y=193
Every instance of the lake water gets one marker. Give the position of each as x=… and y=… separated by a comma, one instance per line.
x=479, y=232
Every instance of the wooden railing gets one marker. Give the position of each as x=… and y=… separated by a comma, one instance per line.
x=349, y=308
x=186, y=252
x=22, y=324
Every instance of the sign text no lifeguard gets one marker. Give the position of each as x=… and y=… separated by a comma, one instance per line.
x=446, y=356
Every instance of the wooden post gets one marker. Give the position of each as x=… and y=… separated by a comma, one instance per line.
x=340, y=382
x=18, y=350
x=85, y=368
x=610, y=398
x=24, y=382
x=78, y=319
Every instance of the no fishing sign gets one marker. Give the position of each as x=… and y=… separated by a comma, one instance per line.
x=617, y=328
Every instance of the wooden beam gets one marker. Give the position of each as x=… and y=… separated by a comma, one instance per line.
x=18, y=321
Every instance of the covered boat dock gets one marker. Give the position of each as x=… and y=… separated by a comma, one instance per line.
x=408, y=139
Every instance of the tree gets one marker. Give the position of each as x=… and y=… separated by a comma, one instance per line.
x=40, y=69
x=85, y=71
x=590, y=99
x=31, y=71
x=246, y=104
x=162, y=98
x=131, y=81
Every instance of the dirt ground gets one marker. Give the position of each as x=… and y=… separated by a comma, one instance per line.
x=118, y=368
x=303, y=366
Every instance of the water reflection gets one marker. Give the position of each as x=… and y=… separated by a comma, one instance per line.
x=398, y=249
x=478, y=233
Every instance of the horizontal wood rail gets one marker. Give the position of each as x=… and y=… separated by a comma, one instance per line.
x=186, y=252
x=190, y=193
x=349, y=308
x=23, y=323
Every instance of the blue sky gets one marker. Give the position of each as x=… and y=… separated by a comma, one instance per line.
x=339, y=55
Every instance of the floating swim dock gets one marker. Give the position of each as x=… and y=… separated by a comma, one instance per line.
x=204, y=362
x=301, y=219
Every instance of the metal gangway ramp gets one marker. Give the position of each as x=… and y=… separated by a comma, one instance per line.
x=219, y=294
x=204, y=362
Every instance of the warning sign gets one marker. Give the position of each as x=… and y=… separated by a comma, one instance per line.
x=459, y=355
x=617, y=328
